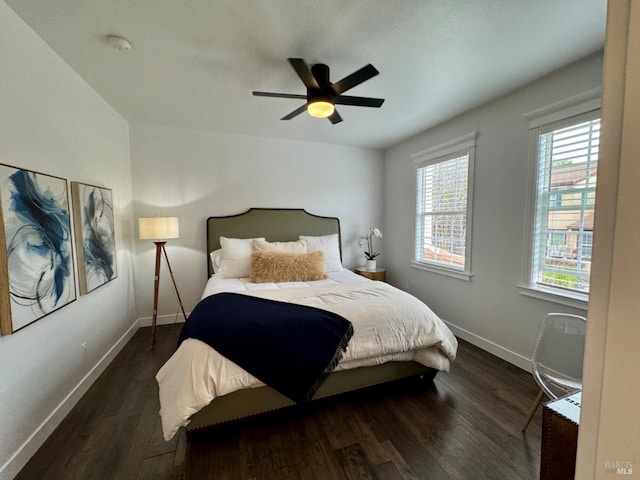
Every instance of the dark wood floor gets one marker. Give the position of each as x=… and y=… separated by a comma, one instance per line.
x=465, y=425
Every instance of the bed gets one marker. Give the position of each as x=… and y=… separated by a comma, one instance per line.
x=192, y=391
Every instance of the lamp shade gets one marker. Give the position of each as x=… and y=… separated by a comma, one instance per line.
x=320, y=107
x=158, y=228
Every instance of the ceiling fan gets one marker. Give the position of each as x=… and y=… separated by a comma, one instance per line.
x=322, y=95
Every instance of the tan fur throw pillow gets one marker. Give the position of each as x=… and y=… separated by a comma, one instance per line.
x=268, y=267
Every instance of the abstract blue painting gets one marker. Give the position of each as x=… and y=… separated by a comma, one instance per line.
x=95, y=235
x=37, y=262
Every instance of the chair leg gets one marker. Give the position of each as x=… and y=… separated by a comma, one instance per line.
x=534, y=408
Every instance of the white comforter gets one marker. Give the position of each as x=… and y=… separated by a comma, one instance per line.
x=389, y=324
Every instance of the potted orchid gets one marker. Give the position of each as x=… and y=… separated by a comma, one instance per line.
x=370, y=254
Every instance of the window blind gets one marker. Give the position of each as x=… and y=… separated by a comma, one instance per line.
x=441, y=210
x=565, y=202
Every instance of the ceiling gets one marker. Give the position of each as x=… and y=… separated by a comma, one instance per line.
x=194, y=63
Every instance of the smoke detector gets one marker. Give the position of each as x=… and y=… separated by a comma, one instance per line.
x=118, y=43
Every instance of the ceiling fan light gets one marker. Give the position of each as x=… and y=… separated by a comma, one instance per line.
x=320, y=108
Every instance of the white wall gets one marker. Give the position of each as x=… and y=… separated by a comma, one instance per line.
x=51, y=121
x=195, y=174
x=489, y=310
x=609, y=436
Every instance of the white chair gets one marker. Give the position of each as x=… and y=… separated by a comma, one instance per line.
x=557, y=358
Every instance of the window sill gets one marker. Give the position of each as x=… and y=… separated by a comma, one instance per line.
x=460, y=275
x=575, y=300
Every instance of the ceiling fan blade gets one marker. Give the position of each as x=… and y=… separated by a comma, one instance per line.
x=295, y=113
x=359, y=101
x=335, y=117
x=304, y=72
x=279, y=95
x=356, y=78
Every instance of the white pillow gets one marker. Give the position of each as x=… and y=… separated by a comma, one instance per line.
x=330, y=246
x=283, y=247
x=216, y=260
x=236, y=256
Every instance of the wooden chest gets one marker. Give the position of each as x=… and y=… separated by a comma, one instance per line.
x=560, y=420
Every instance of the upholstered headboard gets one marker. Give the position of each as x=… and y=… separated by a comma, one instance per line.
x=275, y=224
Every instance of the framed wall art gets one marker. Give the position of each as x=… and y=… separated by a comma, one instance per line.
x=95, y=235
x=36, y=260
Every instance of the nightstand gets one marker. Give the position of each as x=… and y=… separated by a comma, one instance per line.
x=377, y=274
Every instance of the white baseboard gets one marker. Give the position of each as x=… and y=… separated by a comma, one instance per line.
x=162, y=320
x=491, y=347
x=20, y=458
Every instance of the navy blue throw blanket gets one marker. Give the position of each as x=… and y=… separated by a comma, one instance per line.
x=292, y=348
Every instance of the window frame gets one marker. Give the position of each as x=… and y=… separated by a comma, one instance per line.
x=577, y=109
x=431, y=156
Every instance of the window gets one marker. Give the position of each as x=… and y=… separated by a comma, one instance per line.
x=561, y=232
x=565, y=201
x=443, y=207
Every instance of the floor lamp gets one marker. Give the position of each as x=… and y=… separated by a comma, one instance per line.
x=160, y=229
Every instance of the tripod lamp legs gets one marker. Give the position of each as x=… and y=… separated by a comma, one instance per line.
x=160, y=250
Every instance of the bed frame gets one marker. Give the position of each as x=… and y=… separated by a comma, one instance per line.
x=281, y=225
